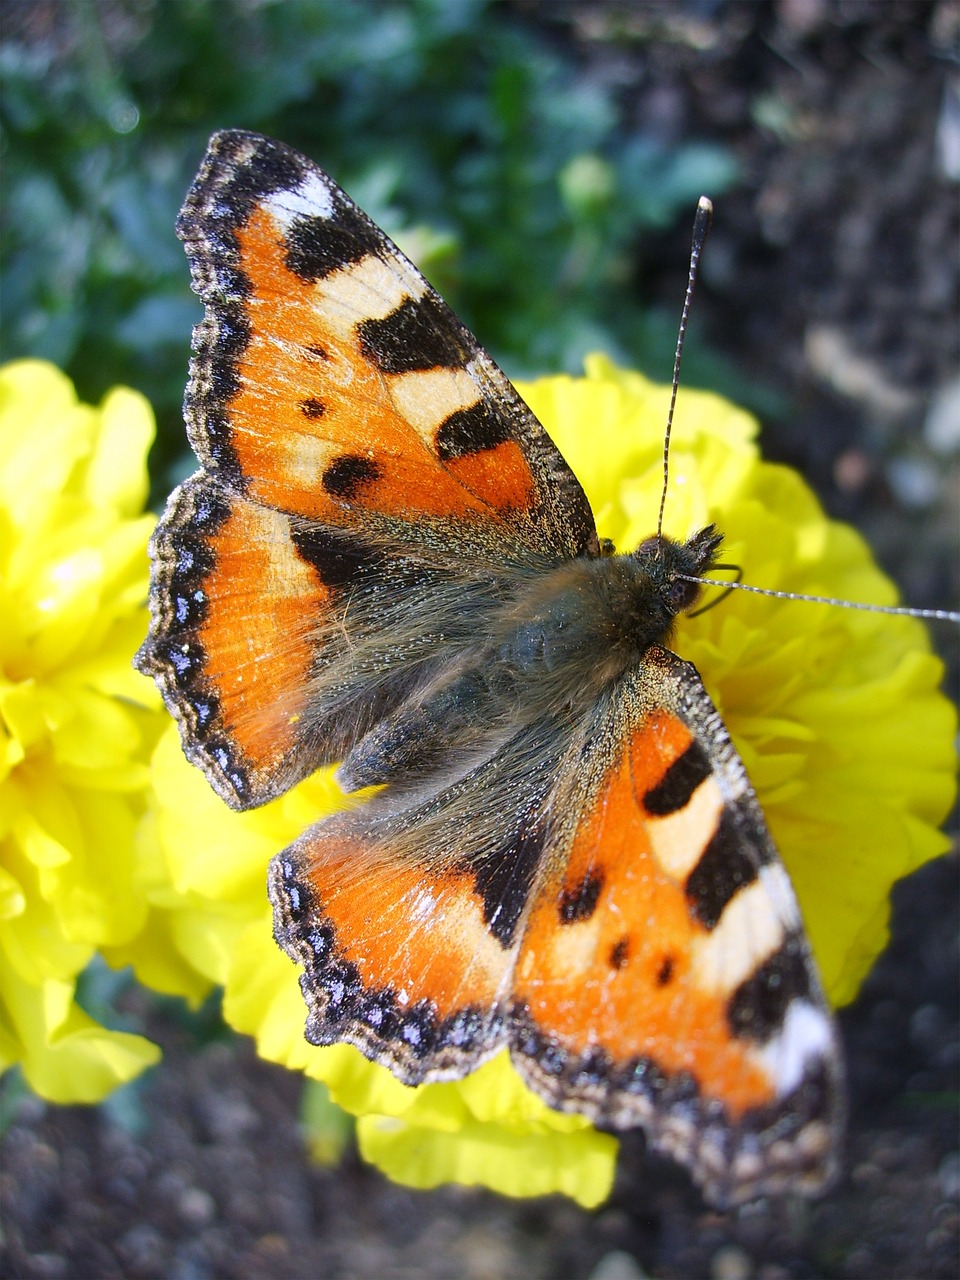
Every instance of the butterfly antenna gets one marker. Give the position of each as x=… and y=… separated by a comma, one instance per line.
x=936, y=615
x=701, y=227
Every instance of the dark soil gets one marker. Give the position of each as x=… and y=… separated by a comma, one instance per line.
x=217, y=1186
x=831, y=277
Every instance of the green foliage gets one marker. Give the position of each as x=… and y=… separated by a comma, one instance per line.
x=326, y=1128
x=480, y=147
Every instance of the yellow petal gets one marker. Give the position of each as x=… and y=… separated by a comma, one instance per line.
x=117, y=473
x=44, y=433
x=66, y=1056
x=581, y=1164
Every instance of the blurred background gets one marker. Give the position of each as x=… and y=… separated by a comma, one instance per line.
x=541, y=163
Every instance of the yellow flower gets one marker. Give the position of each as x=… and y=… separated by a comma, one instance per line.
x=76, y=723
x=836, y=714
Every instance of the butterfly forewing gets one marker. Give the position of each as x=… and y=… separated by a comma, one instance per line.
x=331, y=381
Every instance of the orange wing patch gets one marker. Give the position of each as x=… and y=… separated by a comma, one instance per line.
x=327, y=417
x=258, y=661
x=234, y=673
x=313, y=424
x=502, y=469
x=397, y=957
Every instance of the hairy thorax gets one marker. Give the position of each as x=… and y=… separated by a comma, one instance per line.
x=572, y=632
x=555, y=643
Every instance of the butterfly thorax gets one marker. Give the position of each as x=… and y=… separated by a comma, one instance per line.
x=579, y=628
x=559, y=641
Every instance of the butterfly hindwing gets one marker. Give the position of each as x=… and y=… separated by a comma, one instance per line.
x=407, y=911
x=266, y=693
x=664, y=978
x=396, y=955
x=235, y=675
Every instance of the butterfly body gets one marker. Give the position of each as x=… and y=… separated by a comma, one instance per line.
x=385, y=562
x=552, y=641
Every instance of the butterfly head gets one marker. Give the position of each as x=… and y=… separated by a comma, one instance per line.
x=671, y=564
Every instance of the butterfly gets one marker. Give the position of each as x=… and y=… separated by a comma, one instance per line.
x=384, y=561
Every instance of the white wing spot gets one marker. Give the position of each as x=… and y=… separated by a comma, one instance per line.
x=806, y=1035
x=428, y=397
x=370, y=289
x=312, y=199
x=775, y=880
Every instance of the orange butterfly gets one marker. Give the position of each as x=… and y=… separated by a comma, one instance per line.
x=385, y=561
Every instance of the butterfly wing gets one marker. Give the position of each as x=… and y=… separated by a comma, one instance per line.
x=663, y=978
x=406, y=913
x=356, y=436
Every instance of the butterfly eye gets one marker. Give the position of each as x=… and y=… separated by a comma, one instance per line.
x=681, y=595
